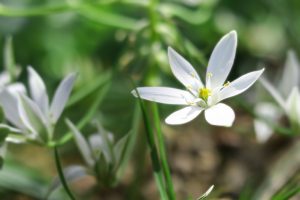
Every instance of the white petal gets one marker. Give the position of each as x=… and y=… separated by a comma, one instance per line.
x=9, y=103
x=206, y=193
x=61, y=97
x=82, y=144
x=240, y=85
x=16, y=88
x=220, y=115
x=4, y=78
x=221, y=59
x=293, y=106
x=265, y=111
x=11, y=130
x=15, y=139
x=32, y=117
x=38, y=90
x=290, y=77
x=165, y=95
x=273, y=91
x=183, y=115
x=184, y=71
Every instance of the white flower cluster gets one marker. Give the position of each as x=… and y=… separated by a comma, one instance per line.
x=32, y=117
x=103, y=156
x=286, y=94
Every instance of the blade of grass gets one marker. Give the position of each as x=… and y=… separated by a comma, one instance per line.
x=162, y=153
x=158, y=175
x=61, y=175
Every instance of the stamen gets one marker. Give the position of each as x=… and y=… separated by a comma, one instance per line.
x=226, y=84
x=208, y=79
x=189, y=87
x=193, y=74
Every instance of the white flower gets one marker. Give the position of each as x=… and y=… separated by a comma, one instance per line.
x=100, y=152
x=205, y=195
x=286, y=94
x=34, y=117
x=199, y=97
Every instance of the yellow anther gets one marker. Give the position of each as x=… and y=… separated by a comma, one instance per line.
x=189, y=87
x=193, y=74
x=209, y=74
x=226, y=84
x=204, y=93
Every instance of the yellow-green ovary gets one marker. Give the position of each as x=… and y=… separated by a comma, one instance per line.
x=204, y=93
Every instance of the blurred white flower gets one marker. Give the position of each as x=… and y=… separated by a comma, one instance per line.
x=100, y=152
x=34, y=117
x=199, y=97
x=205, y=195
x=286, y=94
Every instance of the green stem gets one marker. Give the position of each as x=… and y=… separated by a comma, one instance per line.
x=61, y=175
x=163, y=154
x=153, y=19
x=29, y=12
x=153, y=153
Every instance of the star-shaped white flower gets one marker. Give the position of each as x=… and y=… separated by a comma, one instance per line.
x=198, y=96
x=285, y=92
x=35, y=117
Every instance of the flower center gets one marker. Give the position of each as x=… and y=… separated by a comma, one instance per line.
x=204, y=93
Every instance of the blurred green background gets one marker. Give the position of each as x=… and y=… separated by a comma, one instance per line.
x=122, y=39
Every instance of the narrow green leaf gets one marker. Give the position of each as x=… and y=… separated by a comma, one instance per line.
x=16, y=177
x=88, y=89
x=195, y=17
x=158, y=175
x=163, y=153
x=120, y=149
x=109, y=18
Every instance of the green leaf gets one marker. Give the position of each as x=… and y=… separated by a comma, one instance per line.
x=195, y=17
x=89, y=88
x=106, y=17
x=158, y=175
x=120, y=149
x=19, y=178
x=2, y=116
